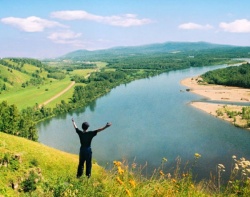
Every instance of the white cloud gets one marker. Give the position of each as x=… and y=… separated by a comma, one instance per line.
x=126, y=20
x=66, y=37
x=237, y=26
x=31, y=24
x=195, y=26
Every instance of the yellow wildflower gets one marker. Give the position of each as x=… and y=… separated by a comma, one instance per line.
x=128, y=192
x=117, y=163
x=162, y=173
x=132, y=183
x=120, y=170
x=119, y=180
x=197, y=155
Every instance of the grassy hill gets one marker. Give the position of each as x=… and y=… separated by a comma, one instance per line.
x=29, y=168
x=25, y=83
x=23, y=161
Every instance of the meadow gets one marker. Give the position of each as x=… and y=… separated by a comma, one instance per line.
x=31, y=96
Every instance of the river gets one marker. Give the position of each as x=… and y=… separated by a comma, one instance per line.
x=151, y=120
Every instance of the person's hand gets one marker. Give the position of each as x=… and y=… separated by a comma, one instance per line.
x=108, y=124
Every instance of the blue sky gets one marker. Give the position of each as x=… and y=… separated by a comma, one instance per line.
x=51, y=28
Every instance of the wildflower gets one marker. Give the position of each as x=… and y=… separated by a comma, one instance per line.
x=173, y=180
x=164, y=159
x=120, y=170
x=162, y=173
x=132, y=183
x=236, y=167
x=117, y=163
x=221, y=166
x=242, y=159
x=168, y=175
x=234, y=157
x=192, y=186
x=119, y=180
x=133, y=165
x=197, y=155
x=128, y=192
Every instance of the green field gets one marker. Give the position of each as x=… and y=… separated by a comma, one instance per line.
x=37, y=95
x=31, y=96
x=82, y=72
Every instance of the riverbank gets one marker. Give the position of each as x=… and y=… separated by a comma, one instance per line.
x=219, y=93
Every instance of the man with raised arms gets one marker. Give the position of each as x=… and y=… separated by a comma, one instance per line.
x=85, y=154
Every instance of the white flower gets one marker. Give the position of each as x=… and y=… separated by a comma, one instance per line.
x=221, y=166
x=236, y=167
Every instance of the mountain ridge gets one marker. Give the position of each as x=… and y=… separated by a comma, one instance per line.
x=124, y=51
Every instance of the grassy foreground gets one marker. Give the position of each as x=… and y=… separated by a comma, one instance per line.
x=29, y=168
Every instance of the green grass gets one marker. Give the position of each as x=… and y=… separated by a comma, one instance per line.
x=100, y=64
x=66, y=97
x=54, y=164
x=31, y=95
x=82, y=72
x=14, y=76
x=38, y=170
x=30, y=68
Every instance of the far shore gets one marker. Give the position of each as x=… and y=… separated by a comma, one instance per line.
x=218, y=93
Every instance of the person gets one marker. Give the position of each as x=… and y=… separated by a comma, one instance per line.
x=85, y=154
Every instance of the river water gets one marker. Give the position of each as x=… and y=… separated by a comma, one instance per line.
x=151, y=120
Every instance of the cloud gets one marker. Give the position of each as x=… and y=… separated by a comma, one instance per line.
x=31, y=24
x=195, y=26
x=125, y=20
x=237, y=26
x=66, y=37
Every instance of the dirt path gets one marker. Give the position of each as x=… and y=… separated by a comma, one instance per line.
x=57, y=95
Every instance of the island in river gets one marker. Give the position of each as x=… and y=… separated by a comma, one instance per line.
x=229, y=112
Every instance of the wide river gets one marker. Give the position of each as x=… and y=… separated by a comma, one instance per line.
x=151, y=120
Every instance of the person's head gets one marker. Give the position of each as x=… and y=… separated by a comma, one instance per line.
x=85, y=126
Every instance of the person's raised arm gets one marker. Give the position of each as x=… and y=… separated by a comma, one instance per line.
x=106, y=126
x=74, y=124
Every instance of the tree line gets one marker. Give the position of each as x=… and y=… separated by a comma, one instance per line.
x=231, y=76
x=14, y=122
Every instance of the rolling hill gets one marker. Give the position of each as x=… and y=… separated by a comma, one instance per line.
x=151, y=49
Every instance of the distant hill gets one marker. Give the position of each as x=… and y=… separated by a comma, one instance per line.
x=162, y=48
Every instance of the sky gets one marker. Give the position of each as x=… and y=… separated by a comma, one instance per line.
x=52, y=28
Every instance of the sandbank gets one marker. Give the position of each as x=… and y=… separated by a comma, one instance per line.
x=218, y=93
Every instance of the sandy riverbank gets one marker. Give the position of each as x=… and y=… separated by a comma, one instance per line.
x=219, y=93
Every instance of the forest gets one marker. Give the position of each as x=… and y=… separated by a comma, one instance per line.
x=231, y=76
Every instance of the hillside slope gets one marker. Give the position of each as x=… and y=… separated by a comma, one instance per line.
x=22, y=160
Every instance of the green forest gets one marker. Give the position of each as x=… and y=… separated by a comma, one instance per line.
x=231, y=76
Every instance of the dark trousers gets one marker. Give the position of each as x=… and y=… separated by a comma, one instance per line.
x=85, y=155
